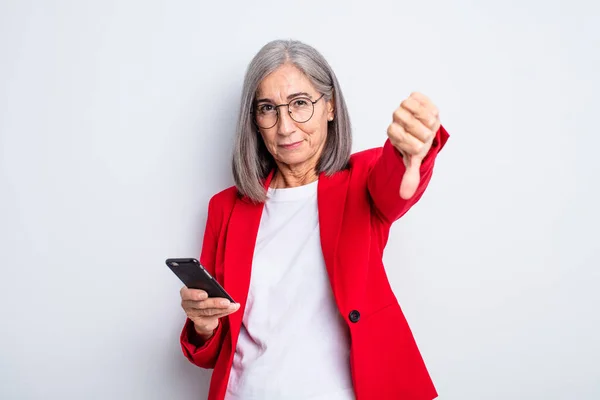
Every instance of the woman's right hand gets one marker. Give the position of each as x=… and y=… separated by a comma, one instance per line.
x=204, y=311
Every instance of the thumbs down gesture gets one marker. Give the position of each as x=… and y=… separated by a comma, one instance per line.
x=414, y=126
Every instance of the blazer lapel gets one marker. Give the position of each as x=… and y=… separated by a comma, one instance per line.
x=331, y=199
x=240, y=242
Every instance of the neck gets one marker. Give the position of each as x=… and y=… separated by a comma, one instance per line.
x=286, y=177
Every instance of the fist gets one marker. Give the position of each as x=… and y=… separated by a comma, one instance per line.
x=413, y=128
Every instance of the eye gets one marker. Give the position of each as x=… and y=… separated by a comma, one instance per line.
x=265, y=108
x=300, y=103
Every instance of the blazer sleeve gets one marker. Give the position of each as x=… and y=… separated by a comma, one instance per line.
x=384, y=179
x=205, y=353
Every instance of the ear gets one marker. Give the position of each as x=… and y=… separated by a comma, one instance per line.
x=331, y=108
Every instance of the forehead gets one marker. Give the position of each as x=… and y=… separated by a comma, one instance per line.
x=284, y=81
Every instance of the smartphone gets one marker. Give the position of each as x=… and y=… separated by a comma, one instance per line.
x=194, y=276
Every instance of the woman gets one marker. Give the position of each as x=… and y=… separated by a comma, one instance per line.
x=298, y=242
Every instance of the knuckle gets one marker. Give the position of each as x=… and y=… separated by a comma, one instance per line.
x=395, y=142
x=410, y=124
x=212, y=303
x=200, y=305
x=395, y=133
x=426, y=133
x=207, y=312
x=195, y=304
x=200, y=294
x=199, y=316
x=392, y=130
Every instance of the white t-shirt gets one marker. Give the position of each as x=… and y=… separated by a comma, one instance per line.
x=293, y=342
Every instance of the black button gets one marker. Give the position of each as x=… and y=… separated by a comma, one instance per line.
x=354, y=316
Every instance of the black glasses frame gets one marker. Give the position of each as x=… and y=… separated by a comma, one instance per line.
x=289, y=112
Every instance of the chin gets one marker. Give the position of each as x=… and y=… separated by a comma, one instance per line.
x=294, y=159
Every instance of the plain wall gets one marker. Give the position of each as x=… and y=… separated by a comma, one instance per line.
x=116, y=124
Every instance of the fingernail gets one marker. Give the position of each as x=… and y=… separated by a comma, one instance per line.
x=233, y=306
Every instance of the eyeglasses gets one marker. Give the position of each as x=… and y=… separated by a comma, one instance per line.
x=301, y=109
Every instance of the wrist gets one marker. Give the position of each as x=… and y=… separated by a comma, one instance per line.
x=204, y=334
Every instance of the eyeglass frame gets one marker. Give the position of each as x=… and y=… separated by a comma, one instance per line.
x=289, y=112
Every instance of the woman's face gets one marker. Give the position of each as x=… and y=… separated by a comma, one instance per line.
x=297, y=145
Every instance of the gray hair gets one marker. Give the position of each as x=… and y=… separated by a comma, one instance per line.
x=251, y=161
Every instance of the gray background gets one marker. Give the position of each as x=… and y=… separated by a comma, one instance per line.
x=116, y=123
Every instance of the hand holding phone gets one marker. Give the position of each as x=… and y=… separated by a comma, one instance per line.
x=205, y=311
x=203, y=299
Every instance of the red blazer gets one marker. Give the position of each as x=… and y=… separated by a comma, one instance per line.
x=356, y=209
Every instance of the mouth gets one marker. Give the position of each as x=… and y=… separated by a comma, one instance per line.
x=290, y=146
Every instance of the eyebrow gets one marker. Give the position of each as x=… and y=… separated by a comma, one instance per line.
x=291, y=96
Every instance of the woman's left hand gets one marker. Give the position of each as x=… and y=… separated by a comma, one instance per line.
x=415, y=124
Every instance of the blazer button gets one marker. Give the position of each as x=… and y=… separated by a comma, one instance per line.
x=354, y=316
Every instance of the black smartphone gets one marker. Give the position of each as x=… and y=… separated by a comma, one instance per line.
x=194, y=276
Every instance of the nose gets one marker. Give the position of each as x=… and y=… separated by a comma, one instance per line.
x=286, y=125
